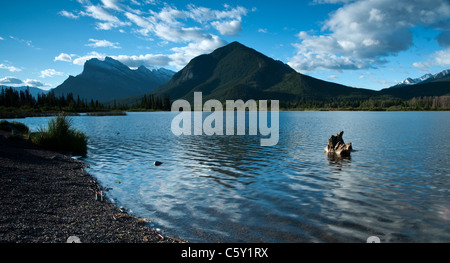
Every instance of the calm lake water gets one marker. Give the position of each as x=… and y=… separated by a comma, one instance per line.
x=230, y=189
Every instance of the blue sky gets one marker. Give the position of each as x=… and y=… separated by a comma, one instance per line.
x=370, y=44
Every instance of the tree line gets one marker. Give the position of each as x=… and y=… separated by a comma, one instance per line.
x=23, y=101
x=13, y=100
x=416, y=103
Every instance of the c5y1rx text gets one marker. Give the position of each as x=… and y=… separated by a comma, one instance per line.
x=229, y=253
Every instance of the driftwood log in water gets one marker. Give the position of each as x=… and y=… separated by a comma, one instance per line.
x=337, y=145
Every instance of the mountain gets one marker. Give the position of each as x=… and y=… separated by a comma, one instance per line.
x=427, y=86
x=33, y=90
x=424, y=89
x=239, y=72
x=110, y=79
x=441, y=76
x=410, y=81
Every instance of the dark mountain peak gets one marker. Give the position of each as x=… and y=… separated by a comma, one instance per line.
x=110, y=79
x=165, y=71
x=235, y=45
x=92, y=61
x=236, y=71
x=107, y=64
x=230, y=47
x=110, y=60
x=144, y=69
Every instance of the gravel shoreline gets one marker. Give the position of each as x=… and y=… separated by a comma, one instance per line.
x=45, y=197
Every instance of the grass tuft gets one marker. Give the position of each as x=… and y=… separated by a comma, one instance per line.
x=59, y=135
x=15, y=128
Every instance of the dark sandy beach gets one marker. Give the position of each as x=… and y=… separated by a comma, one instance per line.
x=46, y=198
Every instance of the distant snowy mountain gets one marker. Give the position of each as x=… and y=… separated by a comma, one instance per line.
x=110, y=79
x=424, y=79
x=33, y=90
x=440, y=76
x=410, y=81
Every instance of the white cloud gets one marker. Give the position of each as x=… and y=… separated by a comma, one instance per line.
x=68, y=14
x=231, y=13
x=35, y=83
x=148, y=2
x=422, y=65
x=10, y=81
x=1, y=38
x=143, y=23
x=439, y=58
x=144, y=60
x=147, y=60
x=306, y=61
x=10, y=68
x=332, y=1
x=183, y=55
x=228, y=28
x=189, y=28
x=26, y=42
x=179, y=58
x=332, y=77
x=107, y=21
x=81, y=60
x=169, y=23
x=227, y=21
x=169, y=16
x=102, y=43
x=362, y=33
x=200, y=14
x=111, y=4
x=63, y=57
x=179, y=34
x=99, y=13
x=50, y=73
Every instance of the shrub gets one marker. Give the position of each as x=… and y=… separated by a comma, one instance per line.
x=59, y=135
x=14, y=126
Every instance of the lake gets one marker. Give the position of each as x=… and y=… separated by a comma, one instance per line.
x=395, y=185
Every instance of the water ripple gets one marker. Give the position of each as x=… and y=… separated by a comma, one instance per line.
x=230, y=189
